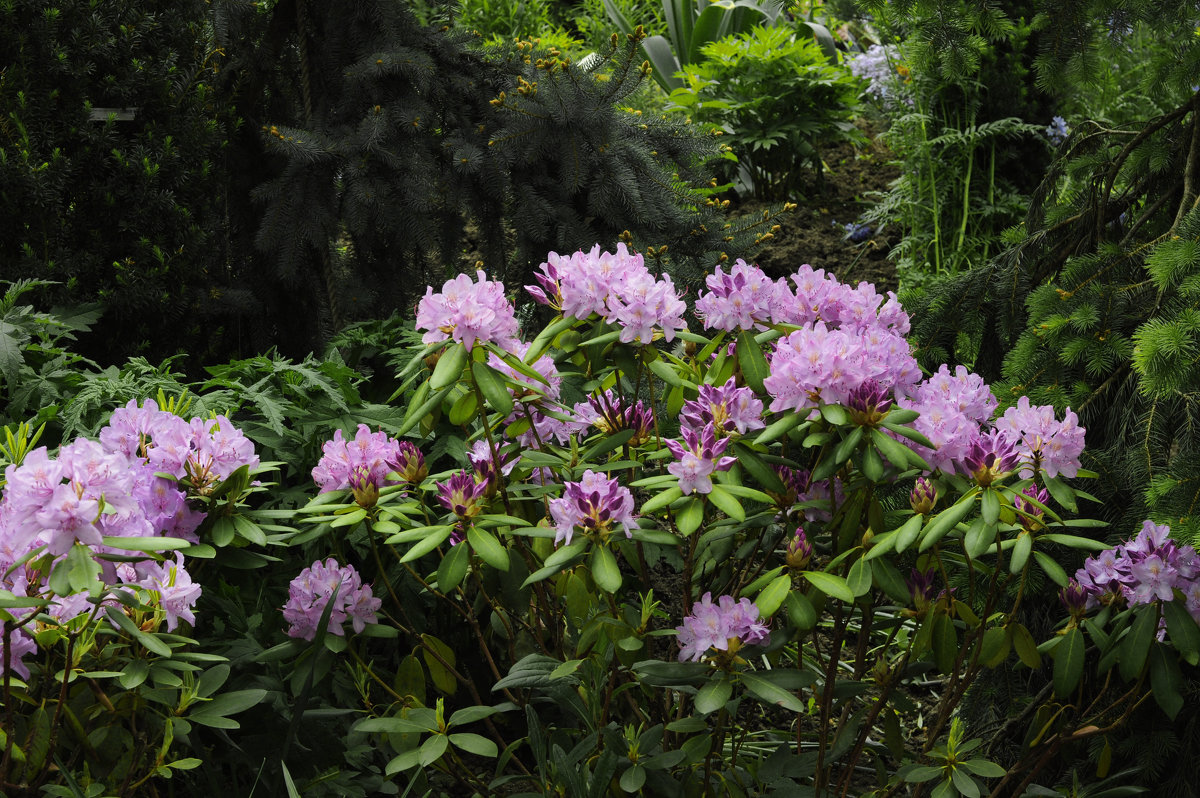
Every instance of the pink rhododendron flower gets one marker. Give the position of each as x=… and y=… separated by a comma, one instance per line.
x=468, y=311
x=1044, y=442
x=310, y=591
x=715, y=626
x=698, y=458
x=595, y=504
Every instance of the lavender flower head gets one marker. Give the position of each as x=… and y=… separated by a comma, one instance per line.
x=725, y=626
x=462, y=495
x=744, y=299
x=991, y=456
x=1043, y=442
x=1058, y=130
x=953, y=408
x=369, y=458
x=920, y=588
x=616, y=286
x=468, y=312
x=596, y=504
x=698, y=458
x=484, y=464
x=1150, y=567
x=728, y=408
x=309, y=593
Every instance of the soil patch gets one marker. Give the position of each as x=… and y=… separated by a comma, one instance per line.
x=815, y=233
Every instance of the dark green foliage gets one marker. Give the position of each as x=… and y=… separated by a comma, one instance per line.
x=777, y=135
x=1096, y=300
x=413, y=156
x=127, y=212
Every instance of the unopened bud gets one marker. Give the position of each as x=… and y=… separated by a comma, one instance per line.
x=799, y=551
x=923, y=496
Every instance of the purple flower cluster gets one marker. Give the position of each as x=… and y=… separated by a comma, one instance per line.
x=92, y=490
x=616, y=286
x=821, y=365
x=369, y=459
x=309, y=593
x=595, y=504
x=953, y=409
x=462, y=495
x=171, y=584
x=484, y=464
x=468, y=311
x=1043, y=442
x=991, y=456
x=878, y=66
x=744, y=299
x=728, y=408
x=1058, y=130
x=1150, y=567
x=699, y=459
x=724, y=626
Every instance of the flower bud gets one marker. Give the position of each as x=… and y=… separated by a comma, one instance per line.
x=409, y=464
x=1037, y=494
x=363, y=487
x=799, y=551
x=923, y=497
x=1074, y=598
x=869, y=403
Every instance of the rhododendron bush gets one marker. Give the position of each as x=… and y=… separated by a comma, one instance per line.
x=717, y=550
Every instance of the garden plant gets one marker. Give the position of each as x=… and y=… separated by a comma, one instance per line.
x=718, y=556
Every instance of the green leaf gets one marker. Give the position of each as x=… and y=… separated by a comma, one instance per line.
x=145, y=544
x=1166, y=682
x=944, y=642
x=225, y=705
x=830, y=584
x=989, y=507
x=922, y=773
x=474, y=744
x=773, y=595
x=667, y=373
x=751, y=359
x=633, y=779
x=800, y=611
x=463, y=409
x=727, y=503
x=859, y=578
x=442, y=677
x=449, y=368
x=993, y=651
x=889, y=580
x=896, y=452
x=1136, y=645
x=453, y=568
x=690, y=516
x=1185, y=634
x=946, y=520
x=488, y=547
x=770, y=693
x=779, y=428
x=964, y=783
x=604, y=569
x=1074, y=541
x=1052, y=568
x=1021, y=551
x=433, y=749
x=906, y=535
x=983, y=768
x=1062, y=493
x=846, y=447
x=1068, y=663
x=1025, y=645
x=427, y=544
x=713, y=695
x=661, y=500
x=491, y=385
x=758, y=468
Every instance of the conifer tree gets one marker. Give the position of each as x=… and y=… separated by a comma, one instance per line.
x=1096, y=302
x=409, y=146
